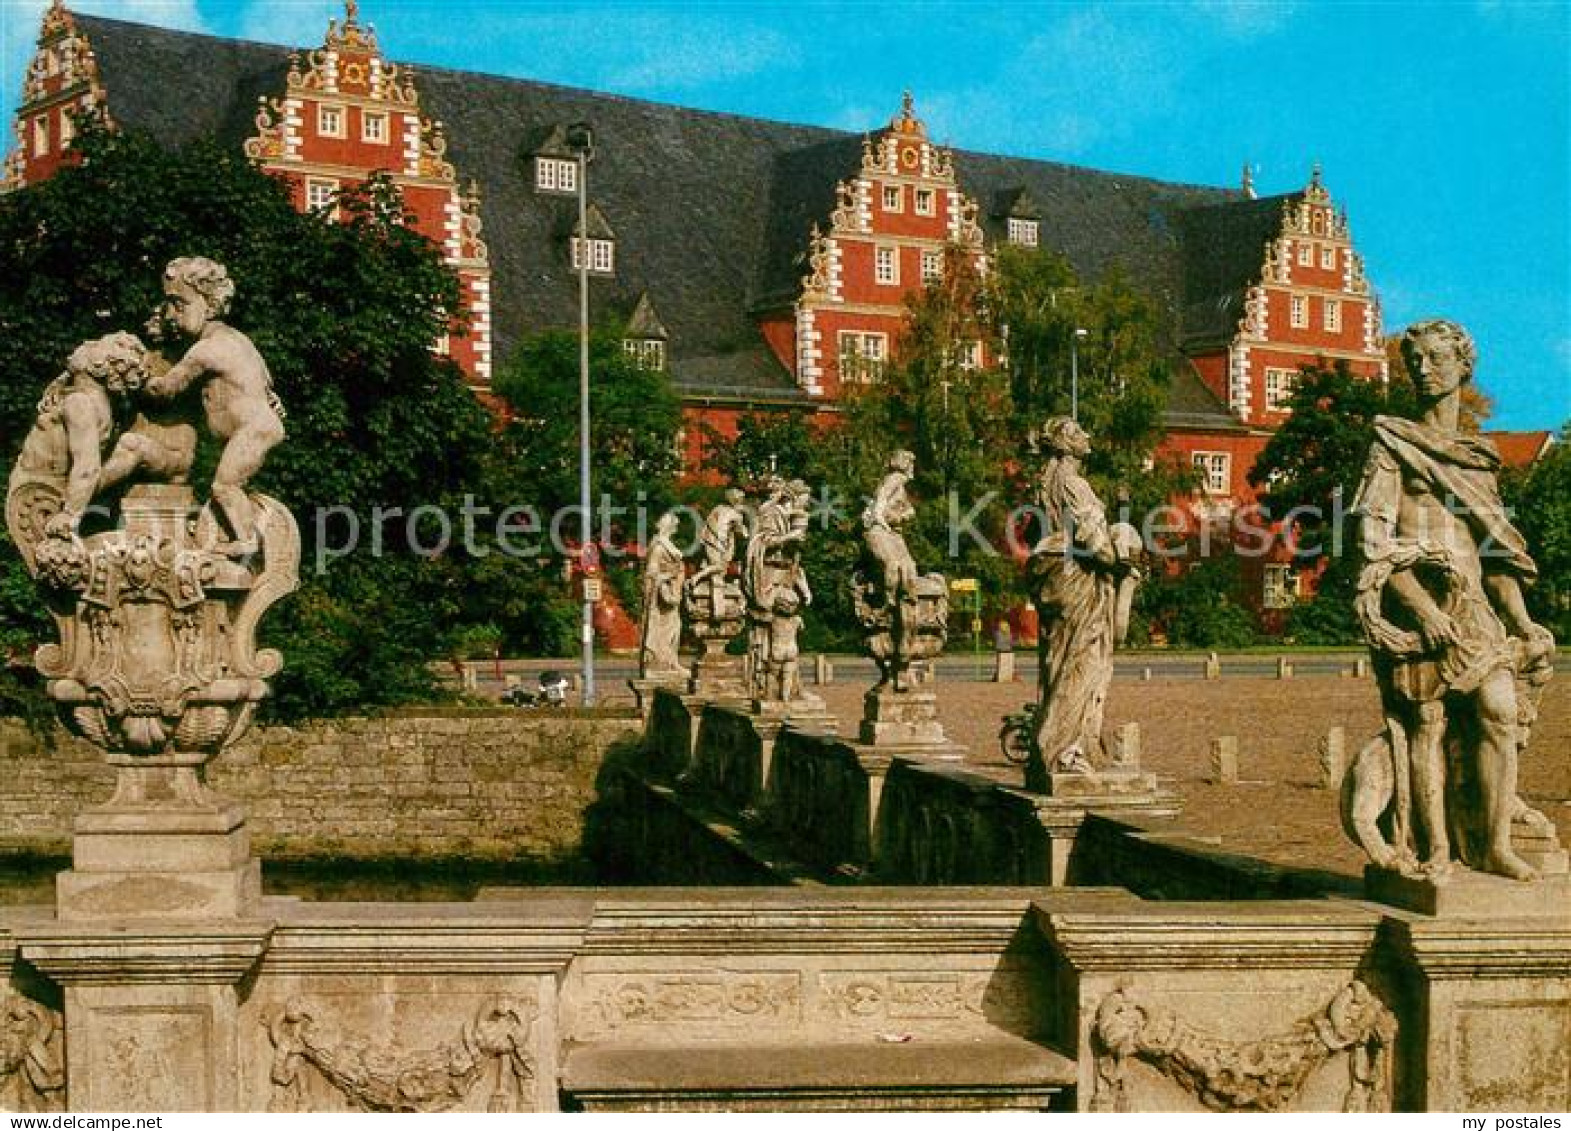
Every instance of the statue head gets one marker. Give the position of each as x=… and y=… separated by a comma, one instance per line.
x=116, y=361
x=735, y=496
x=1440, y=356
x=902, y=461
x=1061, y=436
x=665, y=525
x=196, y=291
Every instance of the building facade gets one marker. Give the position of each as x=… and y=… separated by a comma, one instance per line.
x=764, y=266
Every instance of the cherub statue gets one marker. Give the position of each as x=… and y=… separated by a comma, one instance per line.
x=242, y=409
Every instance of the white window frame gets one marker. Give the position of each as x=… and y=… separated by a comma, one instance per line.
x=1023, y=232
x=862, y=355
x=321, y=195
x=926, y=202
x=376, y=137
x=970, y=355
x=647, y=353
x=602, y=256
x=1298, y=312
x=1279, y=589
x=1306, y=254
x=444, y=345
x=932, y=266
x=1332, y=315
x=886, y=265
x=895, y=194
x=556, y=174
x=1280, y=384
x=1328, y=257
x=1216, y=472
x=327, y=114
x=41, y=135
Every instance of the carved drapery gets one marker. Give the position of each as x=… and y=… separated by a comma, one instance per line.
x=1261, y=1075
x=32, y=1060
x=495, y=1045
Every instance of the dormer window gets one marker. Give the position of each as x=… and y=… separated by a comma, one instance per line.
x=556, y=174
x=330, y=120
x=602, y=256
x=647, y=353
x=1022, y=232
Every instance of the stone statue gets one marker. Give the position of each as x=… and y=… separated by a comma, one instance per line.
x=713, y=603
x=1075, y=573
x=776, y=589
x=1460, y=664
x=237, y=390
x=157, y=661
x=660, y=633
x=904, y=615
x=58, y=470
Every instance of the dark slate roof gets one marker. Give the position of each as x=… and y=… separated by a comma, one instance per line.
x=1192, y=404
x=711, y=211
x=1223, y=248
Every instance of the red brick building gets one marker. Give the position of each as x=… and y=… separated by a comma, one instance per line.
x=763, y=265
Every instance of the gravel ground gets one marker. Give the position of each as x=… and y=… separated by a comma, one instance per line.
x=1277, y=810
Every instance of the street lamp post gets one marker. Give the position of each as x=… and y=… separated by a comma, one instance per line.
x=581, y=138
x=1075, y=339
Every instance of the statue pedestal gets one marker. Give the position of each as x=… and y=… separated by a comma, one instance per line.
x=717, y=675
x=1468, y=894
x=1111, y=783
x=908, y=720
x=166, y=847
x=645, y=687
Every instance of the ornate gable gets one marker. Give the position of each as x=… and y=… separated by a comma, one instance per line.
x=61, y=81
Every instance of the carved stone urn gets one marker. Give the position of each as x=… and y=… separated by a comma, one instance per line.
x=901, y=634
x=716, y=613
x=158, y=665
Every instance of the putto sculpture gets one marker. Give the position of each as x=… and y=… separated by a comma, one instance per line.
x=713, y=603
x=1460, y=663
x=1082, y=573
x=157, y=611
x=776, y=590
x=904, y=615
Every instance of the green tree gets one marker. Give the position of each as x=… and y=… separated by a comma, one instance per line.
x=1309, y=473
x=1540, y=500
x=345, y=310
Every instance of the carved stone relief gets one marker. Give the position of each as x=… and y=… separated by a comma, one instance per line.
x=494, y=1049
x=1230, y=1075
x=32, y=1057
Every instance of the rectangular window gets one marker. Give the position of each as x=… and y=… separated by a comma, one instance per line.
x=1306, y=254
x=1281, y=590
x=373, y=127
x=1299, y=312
x=886, y=266
x=602, y=256
x=1333, y=315
x=925, y=200
x=1215, y=470
x=1022, y=233
x=894, y=199
x=555, y=174
x=329, y=120
x=444, y=345
x=647, y=353
x=932, y=267
x=971, y=355
x=862, y=356
x=1328, y=258
x=320, y=195
x=1279, y=388
x=67, y=128
x=40, y=135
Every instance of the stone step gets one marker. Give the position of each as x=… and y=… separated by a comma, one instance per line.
x=1001, y=1073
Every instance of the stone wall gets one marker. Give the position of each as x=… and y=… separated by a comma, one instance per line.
x=484, y=785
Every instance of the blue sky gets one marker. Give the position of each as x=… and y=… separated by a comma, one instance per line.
x=1444, y=128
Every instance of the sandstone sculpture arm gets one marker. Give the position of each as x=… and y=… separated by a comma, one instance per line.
x=82, y=438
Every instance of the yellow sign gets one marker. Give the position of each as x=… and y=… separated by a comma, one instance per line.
x=963, y=585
